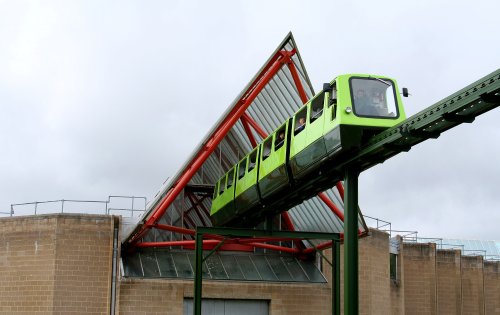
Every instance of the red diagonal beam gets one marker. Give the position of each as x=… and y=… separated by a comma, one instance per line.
x=319, y=247
x=303, y=97
x=191, y=244
x=180, y=230
x=211, y=144
x=329, y=243
x=276, y=247
x=249, y=133
x=340, y=188
x=296, y=80
x=263, y=134
x=255, y=126
x=175, y=229
x=176, y=243
x=331, y=205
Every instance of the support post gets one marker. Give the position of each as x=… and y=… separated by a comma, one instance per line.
x=351, y=298
x=198, y=276
x=235, y=232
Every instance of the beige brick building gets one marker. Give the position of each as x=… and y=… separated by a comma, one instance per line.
x=63, y=264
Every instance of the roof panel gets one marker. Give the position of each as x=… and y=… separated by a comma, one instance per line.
x=275, y=103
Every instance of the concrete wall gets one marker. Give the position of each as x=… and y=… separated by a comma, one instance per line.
x=449, y=281
x=62, y=264
x=397, y=291
x=472, y=285
x=374, y=278
x=55, y=264
x=491, y=287
x=419, y=264
x=167, y=297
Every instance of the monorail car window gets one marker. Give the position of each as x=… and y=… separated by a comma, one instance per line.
x=216, y=188
x=374, y=97
x=241, y=168
x=333, y=101
x=230, y=178
x=253, y=160
x=334, y=112
x=280, y=138
x=267, y=148
x=300, y=121
x=317, y=107
x=222, y=185
x=333, y=96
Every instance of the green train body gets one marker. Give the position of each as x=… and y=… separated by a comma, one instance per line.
x=299, y=158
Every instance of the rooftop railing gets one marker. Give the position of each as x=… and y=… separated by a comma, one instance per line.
x=129, y=206
x=412, y=237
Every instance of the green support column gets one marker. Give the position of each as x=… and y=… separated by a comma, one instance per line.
x=351, y=299
x=235, y=232
x=198, y=276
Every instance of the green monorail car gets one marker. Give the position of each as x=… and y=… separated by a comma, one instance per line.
x=292, y=163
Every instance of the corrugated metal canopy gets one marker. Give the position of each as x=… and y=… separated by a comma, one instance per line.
x=276, y=102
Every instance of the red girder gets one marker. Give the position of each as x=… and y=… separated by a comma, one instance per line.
x=236, y=112
x=249, y=133
x=319, y=247
x=228, y=245
x=296, y=80
x=255, y=126
x=276, y=247
x=329, y=243
x=304, y=99
x=175, y=229
x=340, y=188
x=331, y=205
x=263, y=135
x=236, y=244
x=175, y=243
x=180, y=230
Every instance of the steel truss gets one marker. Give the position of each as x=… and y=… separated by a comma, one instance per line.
x=280, y=59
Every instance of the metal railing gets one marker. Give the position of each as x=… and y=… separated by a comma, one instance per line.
x=412, y=237
x=133, y=206
x=386, y=226
x=379, y=222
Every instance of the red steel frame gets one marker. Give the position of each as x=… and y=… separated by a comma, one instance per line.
x=238, y=112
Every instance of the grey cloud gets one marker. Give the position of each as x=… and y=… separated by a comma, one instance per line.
x=102, y=98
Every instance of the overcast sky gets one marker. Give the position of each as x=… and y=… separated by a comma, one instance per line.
x=102, y=98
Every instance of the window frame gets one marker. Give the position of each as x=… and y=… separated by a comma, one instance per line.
x=255, y=154
x=281, y=143
x=244, y=169
x=296, y=117
x=230, y=178
x=393, y=86
x=314, y=103
x=222, y=188
x=269, y=141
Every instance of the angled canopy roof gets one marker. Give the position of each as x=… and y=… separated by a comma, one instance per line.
x=278, y=89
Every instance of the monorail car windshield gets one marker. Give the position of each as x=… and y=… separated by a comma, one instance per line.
x=299, y=158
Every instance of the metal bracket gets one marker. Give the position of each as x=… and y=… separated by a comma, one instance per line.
x=453, y=117
x=490, y=98
x=397, y=147
x=421, y=134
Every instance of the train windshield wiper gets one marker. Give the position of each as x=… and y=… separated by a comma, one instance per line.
x=382, y=81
